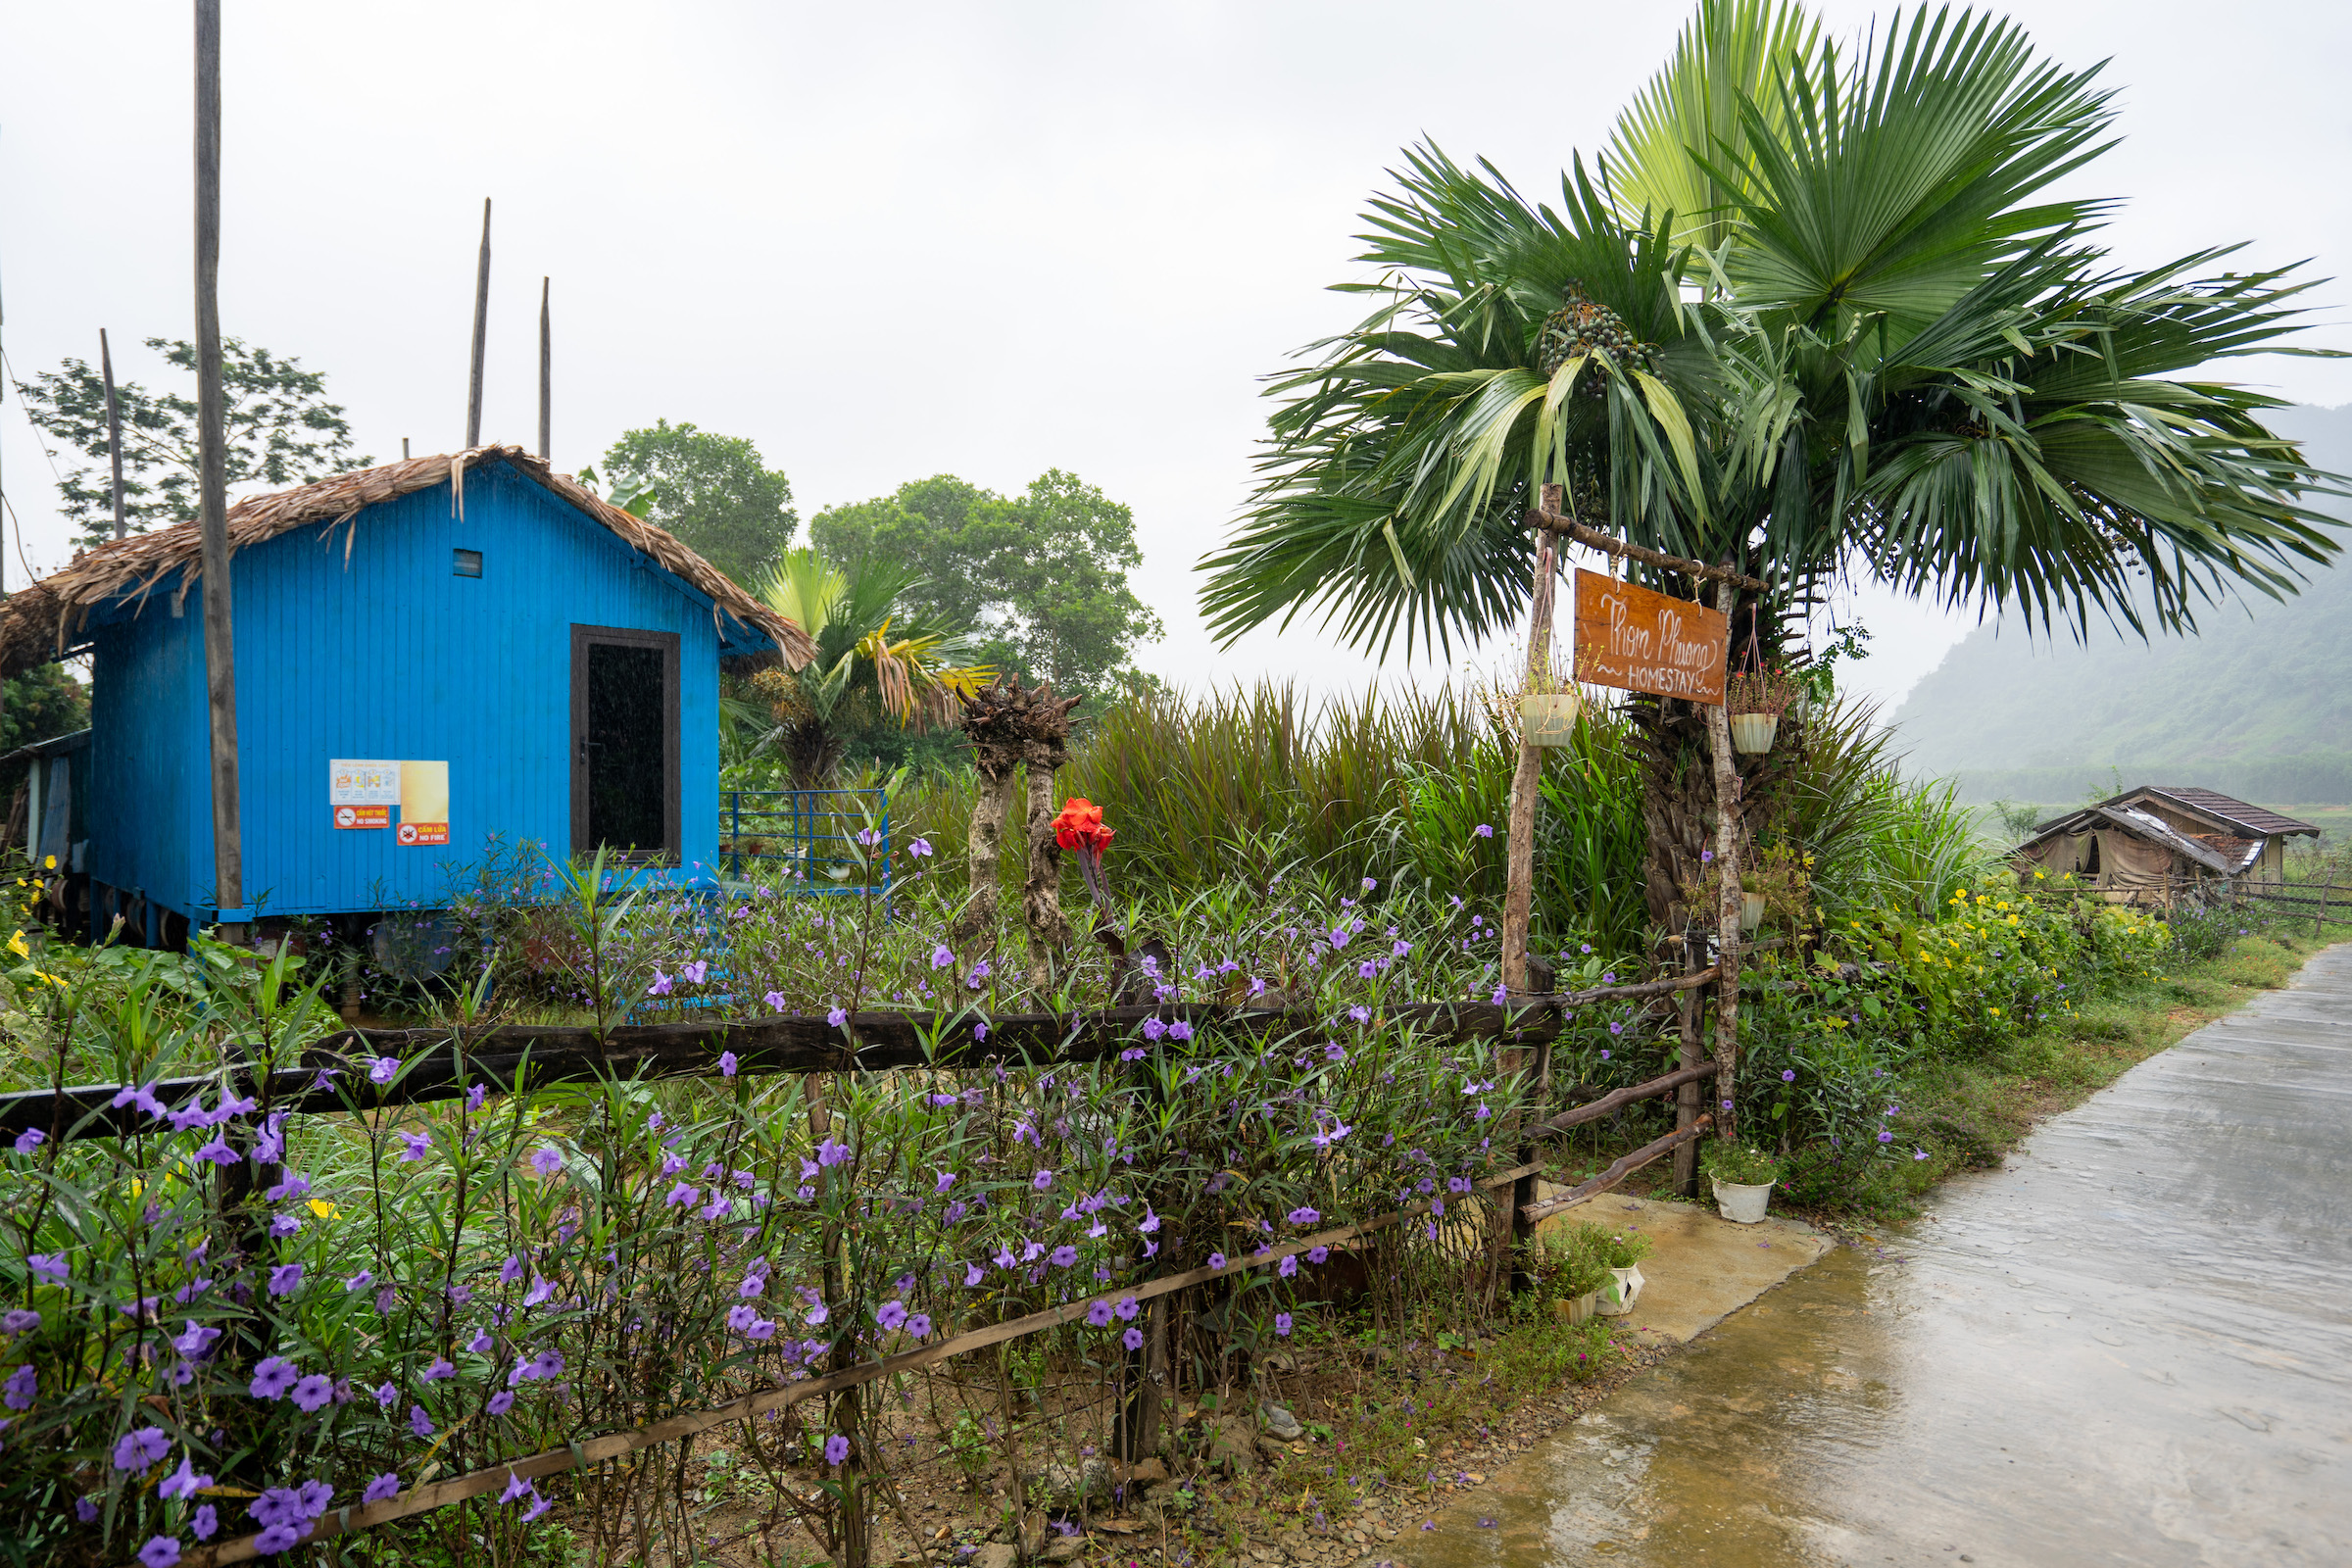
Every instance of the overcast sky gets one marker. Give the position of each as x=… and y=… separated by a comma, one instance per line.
x=885, y=242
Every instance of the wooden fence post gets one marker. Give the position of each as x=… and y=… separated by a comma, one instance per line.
x=1727, y=904
x=1688, y=1008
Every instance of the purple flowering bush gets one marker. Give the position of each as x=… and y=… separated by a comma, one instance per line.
x=236, y=1319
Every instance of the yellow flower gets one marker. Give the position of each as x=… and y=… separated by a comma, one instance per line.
x=15, y=945
x=1996, y=1012
x=323, y=1209
x=49, y=863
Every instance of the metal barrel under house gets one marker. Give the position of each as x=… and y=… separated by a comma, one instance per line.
x=431, y=656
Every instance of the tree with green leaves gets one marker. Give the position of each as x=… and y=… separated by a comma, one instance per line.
x=714, y=492
x=1880, y=348
x=1041, y=577
x=877, y=663
x=282, y=433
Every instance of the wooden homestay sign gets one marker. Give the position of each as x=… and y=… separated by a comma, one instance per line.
x=1649, y=642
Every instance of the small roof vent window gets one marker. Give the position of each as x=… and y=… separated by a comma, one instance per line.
x=466, y=562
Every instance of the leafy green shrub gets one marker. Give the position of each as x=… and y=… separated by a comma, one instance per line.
x=1741, y=1165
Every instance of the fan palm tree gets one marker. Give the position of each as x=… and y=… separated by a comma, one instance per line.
x=1879, y=350
x=870, y=660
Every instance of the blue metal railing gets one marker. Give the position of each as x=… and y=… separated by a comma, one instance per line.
x=816, y=841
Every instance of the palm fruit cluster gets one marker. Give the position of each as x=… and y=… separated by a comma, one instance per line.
x=1584, y=325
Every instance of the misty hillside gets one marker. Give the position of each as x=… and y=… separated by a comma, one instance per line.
x=2257, y=705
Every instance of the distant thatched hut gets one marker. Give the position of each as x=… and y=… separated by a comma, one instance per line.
x=2151, y=840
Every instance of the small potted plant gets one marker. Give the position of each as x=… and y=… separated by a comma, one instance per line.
x=1743, y=1177
x=1620, y=1252
x=1548, y=710
x=1573, y=1273
x=1751, y=903
x=1755, y=699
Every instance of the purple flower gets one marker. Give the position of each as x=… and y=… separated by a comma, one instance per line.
x=683, y=1195
x=1288, y=1267
x=660, y=986
x=283, y=1279
x=1098, y=1315
x=385, y=1393
x=278, y=1537
x=418, y=1422
x=159, y=1552
x=1063, y=1256
x=1316, y=1254
x=547, y=1159
x=919, y=848
x=693, y=974
x=726, y=1064
x=273, y=1378
x=941, y=957
x=1787, y=1075
x=516, y=1486
x=1133, y=1339
x=973, y=1274
x=1127, y=1308
x=30, y=1138
x=1604, y=1056
x=182, y=1482
x=218, y=1152
x=419, y=1146
x=384, y=1486
x=830, y=1152
x=1885, y=1137
x=761, y=1329
x=1727, y=1104
x=502, y=1402
x=919, y=1325
x=441, y=1368
x=1302, y=1216
x=311, y=1393
x=1360, y=1014
x=1282, y=1323
x=1154, y=1029
x=1919, y=1154
x=50, y=1266
x=837, y=1017
x=206, y=1520
x=890, y=1314
x=1483, y=830
x=1216, y=1261
x=1180, y=1030
x=1041, y=1180
x=22, y=1320
x=1706, y=856
x=774, y=1001
x=141, y=1449
x=837, y=1447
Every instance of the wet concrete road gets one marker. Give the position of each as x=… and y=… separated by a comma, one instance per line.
x=2132, y=1346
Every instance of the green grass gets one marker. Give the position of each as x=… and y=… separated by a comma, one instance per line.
x=1969, y=1113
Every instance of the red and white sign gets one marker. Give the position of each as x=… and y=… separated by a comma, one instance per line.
x=424, y=833
x=363, y=816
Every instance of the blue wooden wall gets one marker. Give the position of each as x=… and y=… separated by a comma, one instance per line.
x=388, y=654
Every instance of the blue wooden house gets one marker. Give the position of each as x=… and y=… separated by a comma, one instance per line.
x=430, y=656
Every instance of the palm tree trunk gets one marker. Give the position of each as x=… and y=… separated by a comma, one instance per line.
x=1527, y=781
x=1041, y=898
x=984, y=846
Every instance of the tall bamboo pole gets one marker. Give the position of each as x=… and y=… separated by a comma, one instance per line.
x=211, y=475
x=113, y=425
x=1527, y=778
x=481, y=336
x=547, y=382
x=1727, y=904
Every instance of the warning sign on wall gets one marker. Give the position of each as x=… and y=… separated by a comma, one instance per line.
x=363, y=792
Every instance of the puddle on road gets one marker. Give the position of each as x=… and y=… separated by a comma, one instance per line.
x=2105, y=1354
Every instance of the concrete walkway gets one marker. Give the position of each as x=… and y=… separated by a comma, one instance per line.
x=2134, y=1346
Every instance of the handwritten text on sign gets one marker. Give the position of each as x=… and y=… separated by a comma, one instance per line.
x=1647, y=642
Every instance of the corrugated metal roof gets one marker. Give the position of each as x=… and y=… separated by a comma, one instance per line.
x=2145, y=825
x=2238, y=813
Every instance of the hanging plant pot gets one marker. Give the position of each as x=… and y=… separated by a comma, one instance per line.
x=1752, y=733
x=1751, y=913
x=1549, y=718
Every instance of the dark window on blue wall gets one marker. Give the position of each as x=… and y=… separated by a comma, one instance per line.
x=466, y=562
x=625, y=722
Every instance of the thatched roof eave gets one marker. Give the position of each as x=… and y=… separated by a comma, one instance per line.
x=45, y=620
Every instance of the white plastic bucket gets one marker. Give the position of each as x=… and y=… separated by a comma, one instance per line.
x=1742, y=1204
x=1752, y=733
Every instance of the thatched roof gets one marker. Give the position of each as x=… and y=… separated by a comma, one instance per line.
x=41, y=622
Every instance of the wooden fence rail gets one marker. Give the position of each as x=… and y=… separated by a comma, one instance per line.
x=613, y=1445
x=442, y=1063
